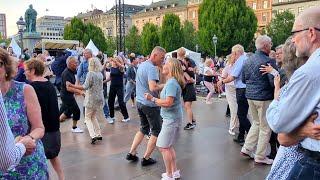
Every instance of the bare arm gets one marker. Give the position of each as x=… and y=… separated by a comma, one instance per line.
x=168, y=102
x=154, y=87
x=33, y=112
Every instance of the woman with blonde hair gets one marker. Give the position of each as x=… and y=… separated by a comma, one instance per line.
x=94, y=99
x=171, y=112
x=208, y=79
x=231, y=95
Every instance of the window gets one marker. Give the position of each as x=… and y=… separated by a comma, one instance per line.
x=300, y=9
x=254, y=6
x=264, y=17
x=193, y=14
x=265, y=4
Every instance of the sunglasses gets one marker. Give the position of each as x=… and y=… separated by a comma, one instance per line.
x=294, y=32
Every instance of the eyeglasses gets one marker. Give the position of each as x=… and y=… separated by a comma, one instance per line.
x=1, y=64
x=294, y=32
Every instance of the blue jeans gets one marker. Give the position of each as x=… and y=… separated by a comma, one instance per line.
x=305, y=169
x=106, y=110
x=129, y=90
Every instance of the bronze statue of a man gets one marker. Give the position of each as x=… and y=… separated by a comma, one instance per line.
x=30, y=17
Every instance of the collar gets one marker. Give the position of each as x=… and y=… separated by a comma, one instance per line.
x=315, y=56
x=262, y=52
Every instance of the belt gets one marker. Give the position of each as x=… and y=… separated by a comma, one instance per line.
x=315, y=155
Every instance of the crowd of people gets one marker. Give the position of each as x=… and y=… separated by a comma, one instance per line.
x=272, y=98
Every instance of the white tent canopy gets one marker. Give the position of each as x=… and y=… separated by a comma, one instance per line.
x=93, y=48
x=196, y=57
x=55, y=44
x=15, y=47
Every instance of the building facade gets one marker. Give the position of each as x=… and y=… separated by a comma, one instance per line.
x=155, y=12
x=51, y=27
x=294, y=6
x=3, y=26
x=193, y=12
x=262, y=10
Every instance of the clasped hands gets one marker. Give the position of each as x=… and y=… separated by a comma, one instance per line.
x=28, y=142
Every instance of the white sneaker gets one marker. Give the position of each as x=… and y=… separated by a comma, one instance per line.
x=231, y=132
x=77, y=130
x=219, y=96
x=247, y=153
x=265, y=161
x=223, y=94
x=125, y=120
x=110, y=120
x=166, y=177
x=175, y=174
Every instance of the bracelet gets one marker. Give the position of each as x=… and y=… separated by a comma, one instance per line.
x=30, y=136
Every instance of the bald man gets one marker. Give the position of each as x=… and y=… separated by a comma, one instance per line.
x=301, y=97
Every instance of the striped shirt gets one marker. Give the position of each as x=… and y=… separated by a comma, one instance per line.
x=10, y=152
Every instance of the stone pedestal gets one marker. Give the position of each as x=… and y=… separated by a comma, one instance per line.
x=30, y=39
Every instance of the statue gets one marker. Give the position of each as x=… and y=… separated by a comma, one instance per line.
x=30, y=17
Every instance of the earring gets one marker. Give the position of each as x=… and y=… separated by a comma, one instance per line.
x=6, y=75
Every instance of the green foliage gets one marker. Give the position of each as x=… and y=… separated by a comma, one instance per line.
x=77, y=30
x=189, y=36
x=6, y=41
x=149, y=38
x=171, y=37
x=280, y=27
x=111, y=46
x=133, y=41
x=230, y=20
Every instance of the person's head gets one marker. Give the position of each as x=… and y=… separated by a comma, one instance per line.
x=8, y=66
x=279, y=53
x=264, y=43
x=87, y=53
x=272, y=54
x=134, y=61
x=157, y=55
x=208, y=62
x=306, y=32
x=290, y=61
x=46, y=53
x=172, y=68
x=237, y=51
x=230, y=59
x=181, y=53
x=33, y=68
x=95, y=65
x=72, y=63
x=41, y=57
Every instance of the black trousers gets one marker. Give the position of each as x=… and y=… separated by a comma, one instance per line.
x=70, y=107
x=242, y=113
x=119, y=92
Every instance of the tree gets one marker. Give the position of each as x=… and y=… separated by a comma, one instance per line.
x=189, y=35
x=280, y=27
x=230, y=20
x=149, y=38
x=171, y=37
x=133, y=40
x=77, y=30
x=111, y=46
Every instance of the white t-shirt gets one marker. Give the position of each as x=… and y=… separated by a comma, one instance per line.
x=206, y=69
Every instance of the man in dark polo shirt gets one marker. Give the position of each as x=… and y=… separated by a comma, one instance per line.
x=69, y=105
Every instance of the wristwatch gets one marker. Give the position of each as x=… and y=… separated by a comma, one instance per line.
x=153, y=99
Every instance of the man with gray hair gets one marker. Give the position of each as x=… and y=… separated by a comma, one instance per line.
x=259, y=92
x=83, y=67
x=147, y=79
x=301, y=97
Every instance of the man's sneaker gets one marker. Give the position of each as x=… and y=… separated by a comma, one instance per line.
x=125, y=120
x=189, y=126
x=265, y=161
x=131, y=157
x=147, y=162
x=77, y=130
x=175, y=174
x=232, y=133
x=194, y=122
x=238, y=140
x=110, y=120
x=219, y=96
x=245, y=152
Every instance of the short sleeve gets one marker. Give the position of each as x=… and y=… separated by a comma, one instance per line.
x=237, y=69
x=153, y=74
x=171, y=89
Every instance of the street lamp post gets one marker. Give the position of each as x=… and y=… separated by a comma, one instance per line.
x=197, y=47
x=215, y=41
x=21, y=26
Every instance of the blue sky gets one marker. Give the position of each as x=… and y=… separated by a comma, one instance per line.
x=67, y=8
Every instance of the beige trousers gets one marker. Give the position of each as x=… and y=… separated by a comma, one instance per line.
x=232, y=101
x=91, y=118
x=259, y=133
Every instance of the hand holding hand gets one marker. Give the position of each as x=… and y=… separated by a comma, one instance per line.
x=29, y=143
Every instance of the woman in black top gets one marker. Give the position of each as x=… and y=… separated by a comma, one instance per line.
x=48, y=100
x=117, y=89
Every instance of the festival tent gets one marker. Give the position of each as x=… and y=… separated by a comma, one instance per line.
x=93, y=48
x=196, y=57
x=15, y=47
